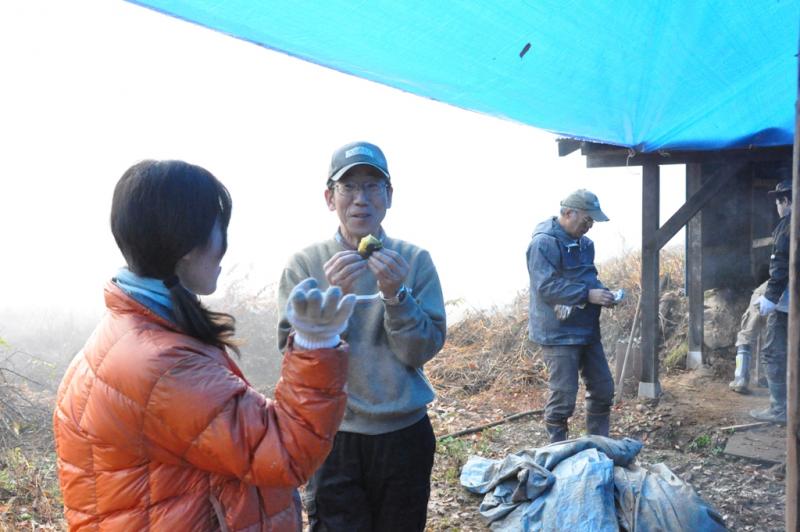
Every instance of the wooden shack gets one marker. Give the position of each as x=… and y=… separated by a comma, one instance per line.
x=728, y=218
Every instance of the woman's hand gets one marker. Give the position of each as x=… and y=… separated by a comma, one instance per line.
x=318, y=317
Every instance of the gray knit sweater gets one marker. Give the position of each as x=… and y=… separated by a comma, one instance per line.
x=386, y=386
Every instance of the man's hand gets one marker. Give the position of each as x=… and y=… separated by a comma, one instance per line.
x=601, y=296
x=343, y=269
x=765, y=306
x=390, y=269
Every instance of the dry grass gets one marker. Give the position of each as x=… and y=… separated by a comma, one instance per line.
x=29, y=493
x=625, y=272
x=489, y=351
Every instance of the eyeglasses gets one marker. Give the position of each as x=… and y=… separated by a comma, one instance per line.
x=350, y=190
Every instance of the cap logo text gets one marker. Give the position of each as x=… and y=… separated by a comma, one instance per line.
x=359, y=150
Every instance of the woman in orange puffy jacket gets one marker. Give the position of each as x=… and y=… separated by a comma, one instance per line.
x=156, y=428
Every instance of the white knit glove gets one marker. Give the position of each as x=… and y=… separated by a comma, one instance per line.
x=765, y=306
x=318, y=318
x=563, y=311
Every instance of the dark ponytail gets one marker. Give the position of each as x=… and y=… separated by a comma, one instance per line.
x=160, y=212
x=215, y=328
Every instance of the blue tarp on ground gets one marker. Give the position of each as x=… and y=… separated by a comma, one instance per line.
x=590, y=483
x=649, y=75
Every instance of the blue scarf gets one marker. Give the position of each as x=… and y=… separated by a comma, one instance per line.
x=148, y=291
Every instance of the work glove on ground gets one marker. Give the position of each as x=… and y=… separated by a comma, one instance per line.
x=318, y=317
x=765, y=306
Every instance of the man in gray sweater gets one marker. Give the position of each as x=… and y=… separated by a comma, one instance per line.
x=377, y=476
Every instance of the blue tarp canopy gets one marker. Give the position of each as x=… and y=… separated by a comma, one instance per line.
x=681, y=74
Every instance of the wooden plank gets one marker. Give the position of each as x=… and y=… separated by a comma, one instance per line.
x=694, y=264
x=604, y=156
x=793, y=356
x=651, y=190
x=766, y=184
x=699, y=197
x=567, y=146
x=766, y=444
x=762, y=242
x=611, y=160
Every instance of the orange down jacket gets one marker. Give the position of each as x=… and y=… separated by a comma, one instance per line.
x=155, y=430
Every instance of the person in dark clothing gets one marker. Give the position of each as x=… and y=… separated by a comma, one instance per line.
x=564, y=314
x=774, y=304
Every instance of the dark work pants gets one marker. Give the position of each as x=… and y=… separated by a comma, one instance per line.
x=374, y=483
x=564, y=363
x=774, y=351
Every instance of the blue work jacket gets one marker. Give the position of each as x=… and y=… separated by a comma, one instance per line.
x=561, y=271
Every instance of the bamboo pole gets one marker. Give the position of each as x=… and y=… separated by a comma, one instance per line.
x=746, y=426
x=621, y=383
x=479, y=428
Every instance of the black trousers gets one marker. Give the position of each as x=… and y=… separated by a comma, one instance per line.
x=565, y=363
x=373, y=483
x=773, y=353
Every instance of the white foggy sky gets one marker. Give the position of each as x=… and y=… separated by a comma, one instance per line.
x=90, y=87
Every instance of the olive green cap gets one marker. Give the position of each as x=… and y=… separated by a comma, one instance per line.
x=586, y=201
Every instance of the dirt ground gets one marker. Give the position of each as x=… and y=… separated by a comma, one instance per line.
x=681, y=429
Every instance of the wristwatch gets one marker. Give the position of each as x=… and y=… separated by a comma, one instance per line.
x=398, y=298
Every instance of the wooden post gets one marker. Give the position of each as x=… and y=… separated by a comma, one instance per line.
x=651, y=189
x=793, y=357
x=694, y=270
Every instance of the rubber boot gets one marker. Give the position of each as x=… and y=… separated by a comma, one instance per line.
x=741, y=377
x=776, y=412
x=557, y=431
x=597, y=424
